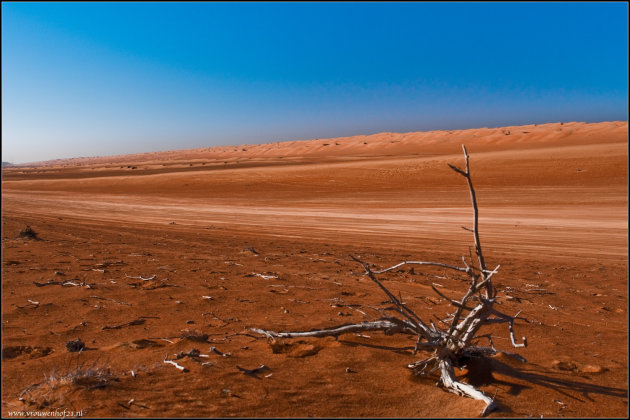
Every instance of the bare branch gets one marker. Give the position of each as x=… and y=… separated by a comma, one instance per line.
x=111, y=300
x=450, y=382
x=452, y=267
x=523, y=344
x=510, y=320
x=421, y=327
x=419, y=367
x=389, y=325
x=473, y=199
x=453, y=302
x=456, y=169
x=460, y=308
x=170, y=362
x=138, y=321
x=153, y=277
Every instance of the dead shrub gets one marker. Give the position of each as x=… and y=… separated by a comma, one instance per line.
x=28, y=233
x=53, y=391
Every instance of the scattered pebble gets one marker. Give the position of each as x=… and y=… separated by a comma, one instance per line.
x=592, y=369
x=75, y=345
x=563, y=365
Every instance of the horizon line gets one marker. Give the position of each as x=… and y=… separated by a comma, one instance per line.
x=41, y=162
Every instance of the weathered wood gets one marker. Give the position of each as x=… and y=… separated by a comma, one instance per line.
x=387, y=325
x=421, y=327
x=436, y=264
x=473, y=199
x=450, y=382
x=453, y=344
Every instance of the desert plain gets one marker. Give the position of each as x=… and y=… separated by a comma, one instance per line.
x=156, y=256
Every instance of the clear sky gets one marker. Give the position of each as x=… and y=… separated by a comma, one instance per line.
x=90, y=79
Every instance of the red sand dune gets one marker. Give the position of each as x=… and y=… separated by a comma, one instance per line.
x=553, y=202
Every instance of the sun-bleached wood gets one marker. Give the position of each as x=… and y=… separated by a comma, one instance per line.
x=454, y=344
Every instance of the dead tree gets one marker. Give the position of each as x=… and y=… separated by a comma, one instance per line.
x=456, y=342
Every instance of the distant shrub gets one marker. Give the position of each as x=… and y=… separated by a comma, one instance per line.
x=28, y=232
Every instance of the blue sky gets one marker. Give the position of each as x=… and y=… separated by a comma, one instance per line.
x=90, y=79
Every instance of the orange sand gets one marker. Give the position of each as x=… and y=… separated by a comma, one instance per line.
x=553, y=202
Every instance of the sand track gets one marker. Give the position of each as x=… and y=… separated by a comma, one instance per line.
x=554, y=230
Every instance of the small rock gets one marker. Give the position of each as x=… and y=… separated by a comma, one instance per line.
x=592, y=369
x=75, y=346
x=563, y=365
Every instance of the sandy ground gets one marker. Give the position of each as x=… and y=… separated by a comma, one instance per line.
x=260, y=236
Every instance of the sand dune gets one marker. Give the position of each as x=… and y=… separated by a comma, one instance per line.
x=428, y=143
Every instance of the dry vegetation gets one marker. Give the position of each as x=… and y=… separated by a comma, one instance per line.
x=56, y=387
x=455, y=339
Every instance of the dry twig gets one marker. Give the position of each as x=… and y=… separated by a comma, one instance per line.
x=138, y=321
x=170, y=362
x=111, y=300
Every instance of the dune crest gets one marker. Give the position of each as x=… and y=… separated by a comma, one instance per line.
x=382, y=144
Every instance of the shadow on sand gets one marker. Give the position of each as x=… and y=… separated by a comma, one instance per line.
x=481, y=371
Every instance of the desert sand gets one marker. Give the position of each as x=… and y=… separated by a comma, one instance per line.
x=149, y=255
